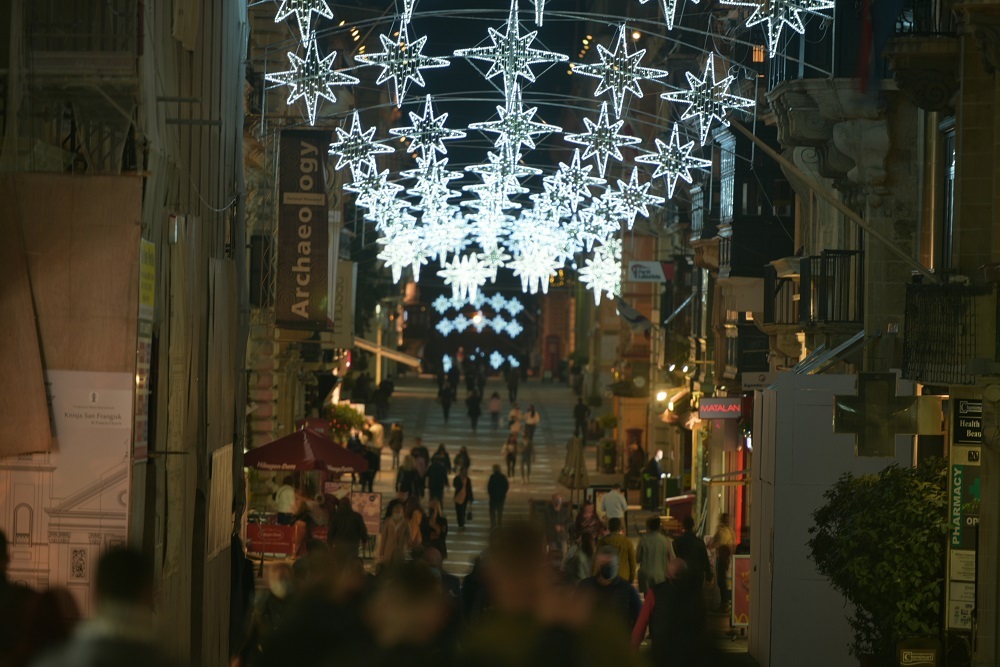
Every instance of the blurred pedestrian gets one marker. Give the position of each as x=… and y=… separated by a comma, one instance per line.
x=557, y=519
x=497, y=488
x=474, y=407
x=514, y=420
x=579, y=563
x=406, y=478
x=442, y=456
x=347, y=532
x=615, y=595
x=446, y=396
x=437, y=478
x=691, y=549
x=121, y=633
x=374, y=460
x=495, y=405
x=436, y=528
x=723, y=542
x=284, y=501
x=589, y=523
x=531, y=420
x=463, y=496
x=396, y=542
x=14, y=602
x=509, y=453
x=654, y=552
x=462, y=459
x=513, y=380
x=414, y=514
x=395, y=443
x=674, y=613
x=615, y=538
x=527, y=458
x=615, y=505
x=581, y=413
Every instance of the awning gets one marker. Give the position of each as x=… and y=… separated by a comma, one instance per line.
x=304, y=450
x=388, y=353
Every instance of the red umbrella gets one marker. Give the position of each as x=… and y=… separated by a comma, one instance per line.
x=304, y=450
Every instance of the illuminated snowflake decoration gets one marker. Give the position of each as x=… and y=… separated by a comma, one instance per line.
x=461, y=323
x=779, y=13
x=497, y=359
x=708, y=99
x=465, y=275
x=479, y=322
x=511, y=54
x=634, y=198
x=357, y=148
x=514, y=307
x=534, y=268
x=674, y=161
x=514, y=363
x=516, y=126
x=303, y=10
x=404, y=248
x=494, y=258
x=619, y=71
x=401, y=61
x=498, y=324
x=602, y=273
x=442, y=304
x=311, y=78
x=427, y=132
x=445, y=327
x=446, y=362
x=602, y=139
x=514, y=329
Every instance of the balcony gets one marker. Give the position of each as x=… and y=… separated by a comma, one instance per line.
x=924, y=53
x=829, y=291
x=59, y=32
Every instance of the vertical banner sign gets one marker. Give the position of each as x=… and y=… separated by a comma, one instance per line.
x=343, y=304
x=966, y=451
x=144, y=349
x=301, y=292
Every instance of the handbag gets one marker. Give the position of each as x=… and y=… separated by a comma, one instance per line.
x=468, y=516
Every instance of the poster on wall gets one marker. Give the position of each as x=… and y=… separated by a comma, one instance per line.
x=740, y=586
x=369, y=506
x=963, y=510
x=62, y=509
x=301, y=285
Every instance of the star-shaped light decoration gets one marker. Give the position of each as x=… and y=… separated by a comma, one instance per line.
x=534, y=269
x=602, y=139
x=465, y=275
x=432, y=177
x=401, y=61
x=403, y=248
x=539, y=11
x=373, y=188
x=303, y=10
x=497, y=359
x=619, y=71
x=516, y=126
x=511, y=54
x=779, y=13
x=634, y=198
x=427, y=133
x=600, y=220
x=603, y=273
x=494, y=258
x=674, y=161
x=708, y=99
x=445, y=327
x=357, y=148
x=311, y=78
x=571, y=183
x=504, y=170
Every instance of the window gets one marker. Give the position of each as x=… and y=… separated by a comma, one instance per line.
x=727, y=175
x=22, y=525
x=948, y=195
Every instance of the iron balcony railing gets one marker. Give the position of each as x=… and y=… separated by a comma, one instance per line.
x=939, y=335
x=830, y=290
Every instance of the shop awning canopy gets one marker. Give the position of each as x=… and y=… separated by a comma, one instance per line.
x=304, y=450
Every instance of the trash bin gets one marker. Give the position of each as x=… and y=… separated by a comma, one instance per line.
x=651, y=493
x=609, y=454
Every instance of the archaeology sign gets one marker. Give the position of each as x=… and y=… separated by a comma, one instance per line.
x=301, y=290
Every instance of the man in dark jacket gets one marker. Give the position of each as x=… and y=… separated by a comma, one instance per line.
x=437, y=479
x=581, y=414
x=693, y=551
x=347, y=531
x=615, y=596
x=497, y=488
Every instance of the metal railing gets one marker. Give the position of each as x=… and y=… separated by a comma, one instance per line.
x=939, y=337
x=780, y=302
x=926, y=17
x=831, y=288
x=107, y=26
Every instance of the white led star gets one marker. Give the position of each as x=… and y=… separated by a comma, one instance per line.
x=311, y=78
x=619, y=71
x=303, y=10
x=465, y=275
x=779, y=13
x=634, y=198
x=516, y=127
x=571, y=183
x=357, y=148
x=534, y=269
x=511, y=54
x=603, y=273
x=427, y=132
x=401, y=61
x=494, y=258
x=539, y=11
x=674, y=161
x=373, y=188
x=403, y=248
x=708, y=99
x=602, y=139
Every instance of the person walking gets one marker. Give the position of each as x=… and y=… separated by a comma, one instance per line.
x=396, y=542
x=463, y=496
x=674, y=613
x=509, y=453
x=497, y=488
x=462, y=459
x=407, y=479
x=527, y=456
x=446, y=396
x=474, y=407
x=531, y=420
x=557, y=520
x=723, y=542
x=654, y=552
x=627, y=567
x=615, y=506
x=513, y=380
x=691, y=549
x=436, y=528
x=588, y=523
x=581, y=416
x=347, y=532
x=395, y=443
x=437, y=479
x=494, y=406
x=441, y=456
x=654, y=478
x=614, y=594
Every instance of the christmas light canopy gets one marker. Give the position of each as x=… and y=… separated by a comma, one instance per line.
x=311, y=78
x=708, y=99
x=619, y=71
x=427, y=132
x=779, y=13
x=674, y=161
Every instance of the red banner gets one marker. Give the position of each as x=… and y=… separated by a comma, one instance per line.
x=741, y=591
x=265, y=538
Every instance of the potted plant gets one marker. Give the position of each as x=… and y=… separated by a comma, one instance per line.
x=881, y=539
x=342, y=418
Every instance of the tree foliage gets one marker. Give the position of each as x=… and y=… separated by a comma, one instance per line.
x=881, y=539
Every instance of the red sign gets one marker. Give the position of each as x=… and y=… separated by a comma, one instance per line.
x=741, y=591
x=720, y=408
x=263, y=538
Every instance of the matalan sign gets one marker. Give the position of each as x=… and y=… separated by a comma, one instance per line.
x=301, y=291
x=650, y=272
x=720, y=408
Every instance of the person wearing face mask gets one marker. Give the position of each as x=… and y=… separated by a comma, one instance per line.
x=612, y=594
x=396, y=542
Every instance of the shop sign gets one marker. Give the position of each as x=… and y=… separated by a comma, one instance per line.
x=964, y=498
x=302, y=290
x=757, y=381
x=741, y=591
x=650, y=272
x=720, y=408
